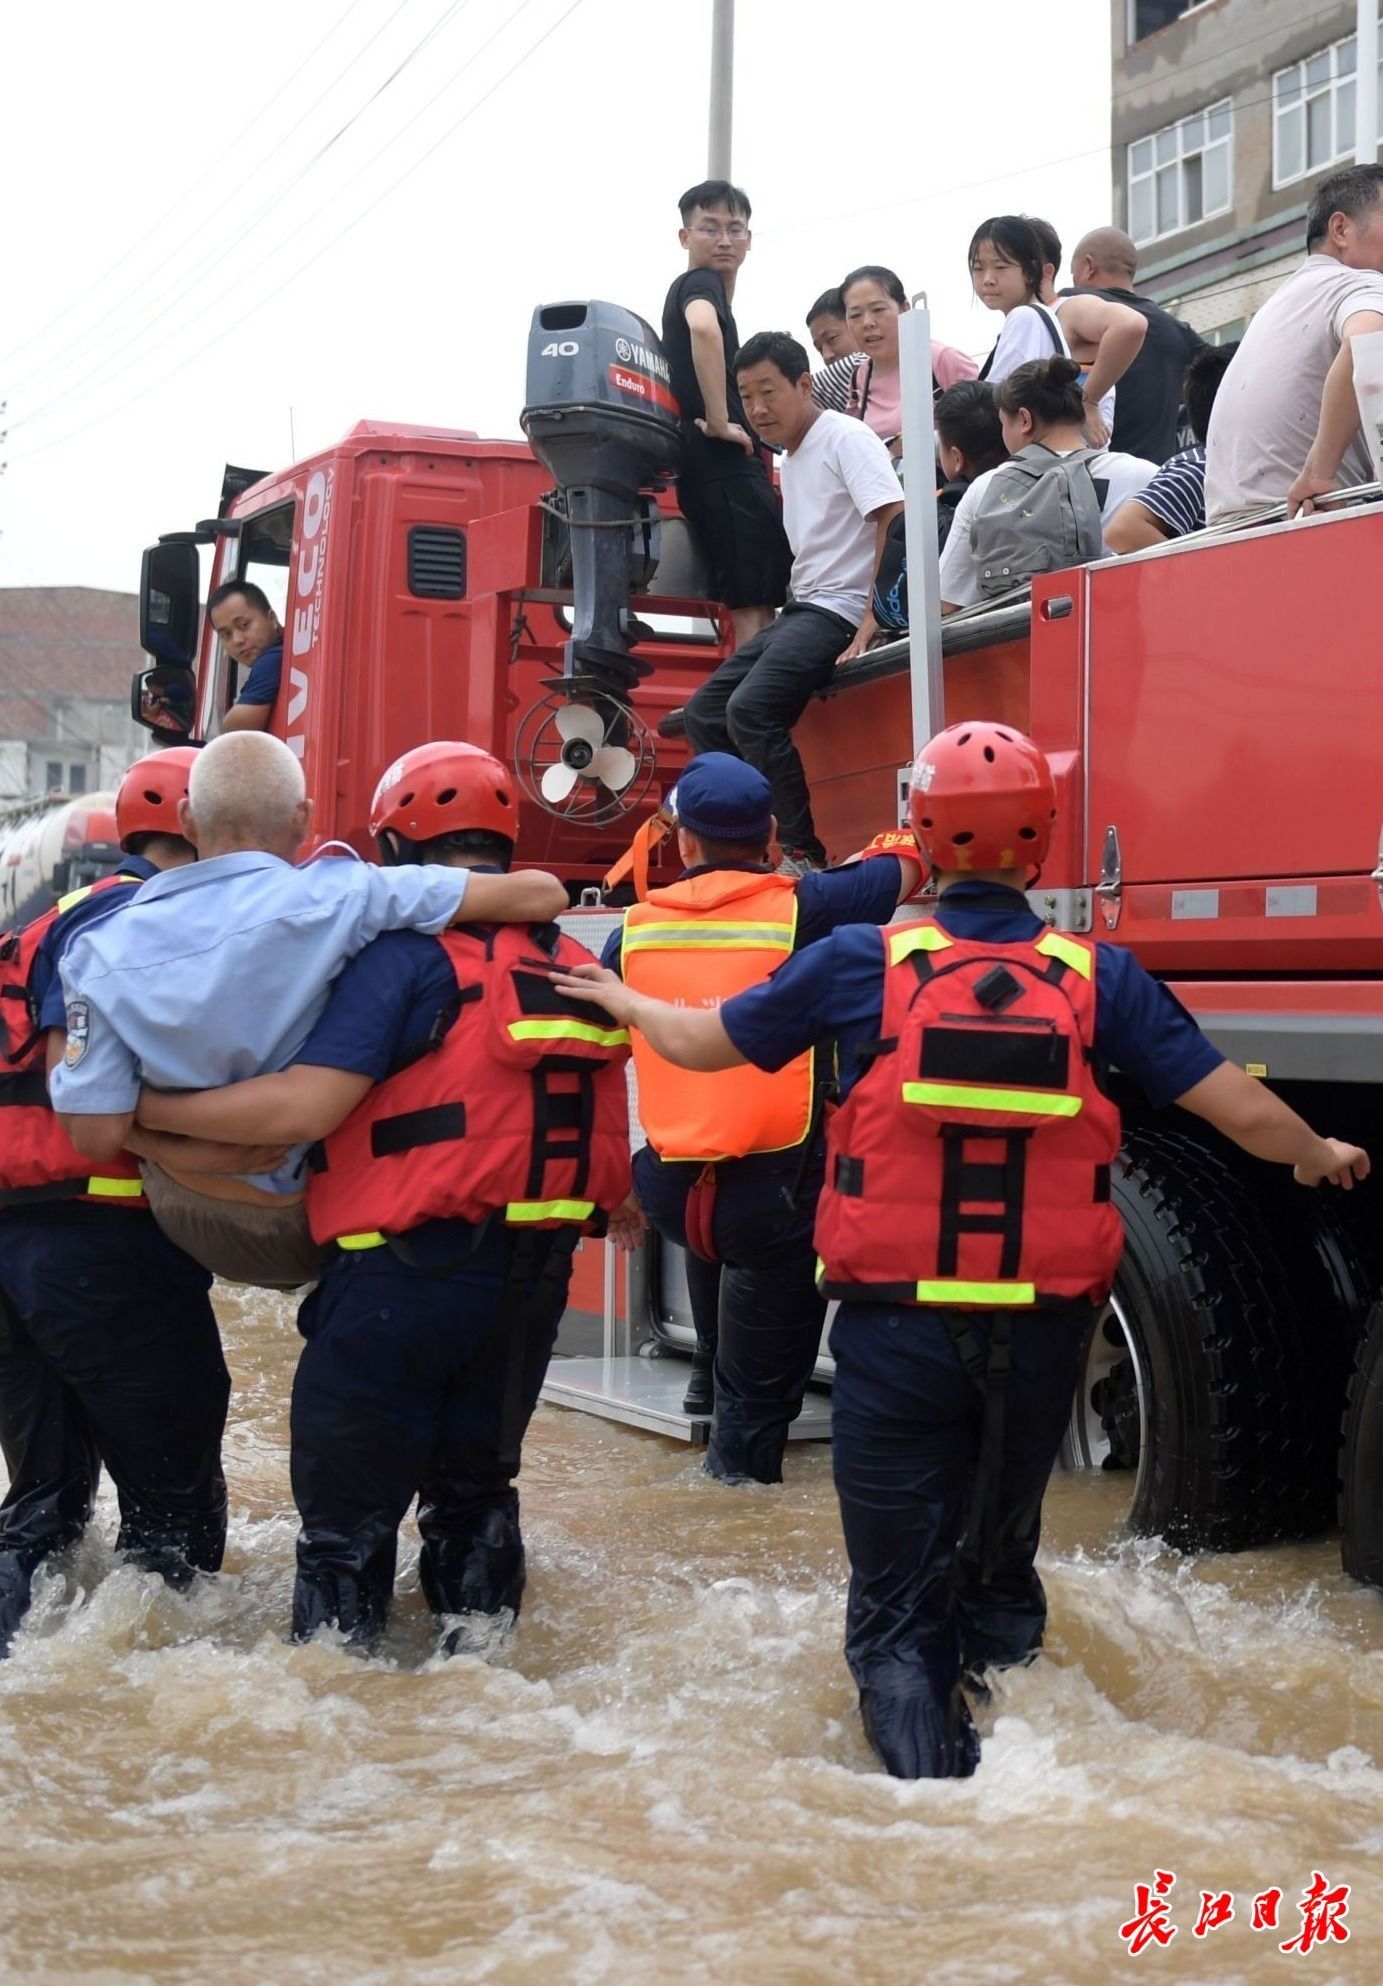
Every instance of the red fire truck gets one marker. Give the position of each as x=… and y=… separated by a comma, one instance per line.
x=1214, y=713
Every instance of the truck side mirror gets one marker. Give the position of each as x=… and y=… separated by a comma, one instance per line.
x=169, y=583
x=164, y=701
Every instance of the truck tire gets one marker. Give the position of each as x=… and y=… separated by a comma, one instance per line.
x=1361, y=1461
x=1219, y=1406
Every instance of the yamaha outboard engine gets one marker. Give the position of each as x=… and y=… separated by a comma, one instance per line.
x=599, y=415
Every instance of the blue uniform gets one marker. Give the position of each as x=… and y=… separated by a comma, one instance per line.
x=109, y=1352
x=423, y=1359
x=219, y=971
x=262, y=683
x=756, y=1308
x=906, y=1416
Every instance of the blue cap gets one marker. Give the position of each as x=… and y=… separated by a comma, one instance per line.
x=722, y=798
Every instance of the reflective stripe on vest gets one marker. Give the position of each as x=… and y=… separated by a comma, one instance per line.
x=353, y=1241
x=700, y=933
x=940, y=1289
x=114, y=1189
x=567, y=1030
x=922, y=938
x=1080, y=957
x=520, y=1211
x=973, y=1096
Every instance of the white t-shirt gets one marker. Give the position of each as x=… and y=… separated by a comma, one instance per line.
x=1025, y=336
x=839, y=472
x=1269, y=403
x=1119, y=477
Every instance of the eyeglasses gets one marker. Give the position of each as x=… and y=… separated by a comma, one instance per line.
x=709, y=231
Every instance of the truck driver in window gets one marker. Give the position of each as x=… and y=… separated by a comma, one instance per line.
x=252, y=636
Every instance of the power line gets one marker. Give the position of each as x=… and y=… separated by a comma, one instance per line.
x=156, y=308
x=301, y=269
x=120, y=266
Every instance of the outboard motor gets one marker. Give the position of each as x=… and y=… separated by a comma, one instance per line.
x=600, y=416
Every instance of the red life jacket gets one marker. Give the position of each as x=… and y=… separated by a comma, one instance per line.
x=970, y=1164
x=520, y=1109
x=38, y=1161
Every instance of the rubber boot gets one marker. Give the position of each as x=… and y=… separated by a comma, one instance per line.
x=16, y=1581
x=699, y=1398
x=917, y=1736
x=479, y=1573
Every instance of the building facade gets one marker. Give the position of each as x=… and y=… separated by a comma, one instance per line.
x=67, y=656
x=1225, y=116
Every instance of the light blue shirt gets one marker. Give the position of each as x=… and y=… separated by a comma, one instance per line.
x=220, y=970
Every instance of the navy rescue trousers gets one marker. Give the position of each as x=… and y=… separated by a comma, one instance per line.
x=420, y=1381
x=109, y=1353
x=770, y=1315
x=905, y=1432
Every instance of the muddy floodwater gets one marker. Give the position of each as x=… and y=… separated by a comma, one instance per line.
x=661, y=1778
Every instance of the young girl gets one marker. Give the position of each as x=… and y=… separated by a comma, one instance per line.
x=1103, y=337
x=1041, y=403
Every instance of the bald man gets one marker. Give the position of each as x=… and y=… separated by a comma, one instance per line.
x=224, y=975
x=1105, y=262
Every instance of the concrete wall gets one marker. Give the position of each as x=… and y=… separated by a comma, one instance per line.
x=1225, y=48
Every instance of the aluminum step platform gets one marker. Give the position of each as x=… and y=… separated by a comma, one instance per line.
x=647, y=1393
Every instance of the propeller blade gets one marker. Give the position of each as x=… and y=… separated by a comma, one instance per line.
x=557, y=782
x=614, y=767
x=578, y=720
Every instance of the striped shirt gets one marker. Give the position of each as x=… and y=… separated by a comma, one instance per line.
x=1176, y=494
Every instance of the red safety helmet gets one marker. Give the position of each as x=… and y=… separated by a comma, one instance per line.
x=982, y=797
x=148, y=795
x=446, y=788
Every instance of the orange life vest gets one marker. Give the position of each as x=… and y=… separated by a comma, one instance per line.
x=38, y=1161
x=520, y=1109
x=970, y=1164
x=697, y=943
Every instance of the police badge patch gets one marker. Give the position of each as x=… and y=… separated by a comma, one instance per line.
x=78, y=1032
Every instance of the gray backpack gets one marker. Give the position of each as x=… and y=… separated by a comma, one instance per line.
x=1039, y=512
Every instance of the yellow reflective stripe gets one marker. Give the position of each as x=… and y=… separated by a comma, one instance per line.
x=549, y=1210
x=1079, y=957
x=925, y=938
x=114, y=1189
x=76, y=896
x=1041, y=1103
x=706, y=936
x=604, y=1037
x=373, y=1240
x=950, y=1289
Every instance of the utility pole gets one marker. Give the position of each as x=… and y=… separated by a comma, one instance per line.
x=1366, y=83
x=722, y=88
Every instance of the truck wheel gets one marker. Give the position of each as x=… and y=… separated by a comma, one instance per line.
x=1198, y=1380
x=1361, y=1463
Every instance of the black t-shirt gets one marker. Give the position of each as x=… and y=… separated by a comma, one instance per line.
x=704, y=460
x=1148, y=396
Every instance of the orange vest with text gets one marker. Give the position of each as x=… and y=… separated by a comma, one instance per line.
x=697, y=943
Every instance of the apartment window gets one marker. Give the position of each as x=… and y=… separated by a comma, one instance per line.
x=52, y=776
x=1147, y=16
x=1182, y=174
x=76, y=779
x=1313, y=113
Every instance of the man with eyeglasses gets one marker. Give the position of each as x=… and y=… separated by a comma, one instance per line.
x=724, y=487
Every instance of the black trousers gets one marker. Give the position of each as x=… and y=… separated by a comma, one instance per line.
x=905, y=1429
x=751, y=703
x=770, y=1315
x=418, y=1382
x=109, y=1352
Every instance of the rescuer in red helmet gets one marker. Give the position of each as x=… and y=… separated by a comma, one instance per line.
x=111, y=1352
x=965, y=1223
x=474, y=1125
